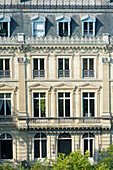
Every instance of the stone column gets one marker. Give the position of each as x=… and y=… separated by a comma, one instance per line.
x=22, y=89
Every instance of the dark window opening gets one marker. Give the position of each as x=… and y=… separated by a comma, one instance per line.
x=64, y=146
x=4, y=29
x=63, y=29
x=39, y=68
x=6, y=149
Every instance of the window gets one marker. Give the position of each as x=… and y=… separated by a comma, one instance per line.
x=64, y=143
x=4, y=68
x=39, y=100
x=63, y=68
x=6, y=148
x=88, y=139
x=39, y=68
x=40, y=145
x=88, y=25
x=5, y=104
x=4, y=26
x=88, y=68
x=63, y=25
x=38, y=26
x=88, y=104
x=63, y=104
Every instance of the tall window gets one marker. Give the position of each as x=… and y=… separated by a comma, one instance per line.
x=89, y=104
x=40, y=145
x=4, y=68
x=63, y=29
x=64, y=143
x=39, y=104
x=6, y=148
x=39, y=68
x=63, y=67
x=88, y=67
x=5, y=104
x=63, y=104
x=89, y=143
x=88, y=28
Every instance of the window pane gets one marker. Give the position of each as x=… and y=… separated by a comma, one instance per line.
x=85, y=67
x=85, y=94
x=85, y=28
x=6, y=64
x=66, y=28
x=36, y=95
x=64, y=146
x=60, y=63
x=61, y=29
x=6, y=149
x=35, y=64
x=44, y=148
x=90, y=28
x=8, y=95
x=8, y=107
x=1, y=107
x=67, y=107
x=1, y=64
x=67, y=94
x=92, y=94
x=85, y=107
x=92, y=107
x=43, y=108
x=37, y=148
x=91, y=147
x=60, y=108
x=91, y=64
x=66, y=64
x=2, y=95
x=42, y=95
x=41, y=64
x=60, y=94
x=36, y=108
x=85, y=145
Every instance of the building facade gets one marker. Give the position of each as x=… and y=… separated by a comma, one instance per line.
x=56, y=78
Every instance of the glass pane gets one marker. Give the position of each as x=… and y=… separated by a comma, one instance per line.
x=61, y=29
x=85, y=145
x=2, y=107
x=44, y=148
x=92, y=107
x=8, y=95
x=36, y=108
x=66, y=28
x=91, y=26
x=42, y=95
x=36, y=95
x=35, y=64
x=37, y=135
x=85, y=64
x=67, y=107
x=91, y=64
x=6, y=149
x=43, y=135
x=60, y=64
x=6, y=64
x=8, y=107
x=37, y=148
x=9, y=136
x=60, y=108
x=85, y=28
x=67, y=94
x=60, y=94
x=85, y=94
x=66, y=64
x=43, y=108
x=92, y=94
x=64, y=146
x=91, y=147
x=1, y=64
x=85, y=107
x=41, y=64
x=2, y=95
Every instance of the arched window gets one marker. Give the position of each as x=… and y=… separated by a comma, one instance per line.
x=89, y=143
x=6, y=146
x=40, y=145
x=64, y=143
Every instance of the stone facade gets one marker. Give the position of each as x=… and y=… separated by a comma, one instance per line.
x=77, y=72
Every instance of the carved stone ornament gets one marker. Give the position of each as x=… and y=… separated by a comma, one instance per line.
x=106, y=60
x=21, y=60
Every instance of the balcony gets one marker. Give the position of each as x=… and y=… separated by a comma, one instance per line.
x=68, y=123
x=63, y=73
x=4, y=73
x=88, y=73
x=38, y=73
x=8, y=121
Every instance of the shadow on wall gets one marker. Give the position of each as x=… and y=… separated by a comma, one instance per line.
x=98, y=26
x=14, y=24
x=74, y=28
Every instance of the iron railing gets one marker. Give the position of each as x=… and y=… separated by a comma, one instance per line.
x=38, y=73
x=63, y=73
x=4, y=73
x=88, y=73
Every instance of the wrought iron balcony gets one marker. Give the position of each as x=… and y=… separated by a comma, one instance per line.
x=4, y=73
x=39, y=73
x=63, y=73
x=88, y=73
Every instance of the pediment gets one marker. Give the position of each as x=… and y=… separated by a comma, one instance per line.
x=39, y=18
x=5, y=86
x=39, y=86
x=63, y=18
x=88, y=18
x=89, y=85
x=64, y=86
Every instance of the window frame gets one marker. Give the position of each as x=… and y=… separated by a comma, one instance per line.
x=88, y=67
x=39, y=67
x=4, y=58
x=63, y=67
x=8, y=20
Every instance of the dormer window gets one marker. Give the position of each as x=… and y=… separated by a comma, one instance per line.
x=4, y=26
x=88, y=25
x=63, y=25
x=38, y=26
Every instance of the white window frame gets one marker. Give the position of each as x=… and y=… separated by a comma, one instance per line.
x=89, y=103
x=64, y=104
x=88, y=67
x=40, y=103
x=63, y=66
x=8, y=20
x=39, y=66
x=4, y=99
